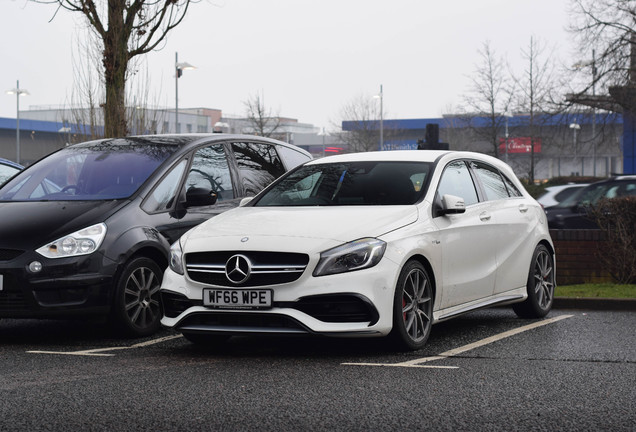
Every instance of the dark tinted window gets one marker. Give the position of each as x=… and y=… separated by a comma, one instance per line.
x=258, y=165
x=456, y=180
x=353, y=183
x=493, y=184
x=164, y=194
x=210, y=170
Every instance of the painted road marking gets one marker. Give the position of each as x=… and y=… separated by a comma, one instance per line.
x=99, y=352
x=416, y=363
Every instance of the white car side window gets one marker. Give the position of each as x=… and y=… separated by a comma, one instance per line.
x=456, y=180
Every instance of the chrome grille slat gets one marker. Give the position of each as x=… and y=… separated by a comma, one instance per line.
x=267, y=268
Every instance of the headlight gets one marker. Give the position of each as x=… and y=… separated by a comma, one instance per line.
x=82, y=242
x=176, y=257
x=356, y=255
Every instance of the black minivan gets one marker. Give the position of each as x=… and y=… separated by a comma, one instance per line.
x=87, y=229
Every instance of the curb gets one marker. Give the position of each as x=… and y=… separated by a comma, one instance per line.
x=609, y=304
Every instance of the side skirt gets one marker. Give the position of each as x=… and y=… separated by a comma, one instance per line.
x=510, y=297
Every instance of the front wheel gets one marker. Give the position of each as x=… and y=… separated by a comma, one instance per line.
x=540, y=286
x=412, y=307
x=136, y=305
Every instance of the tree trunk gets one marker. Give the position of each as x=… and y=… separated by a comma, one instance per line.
x=115, y=66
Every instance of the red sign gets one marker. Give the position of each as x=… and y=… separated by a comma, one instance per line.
x=519, y=145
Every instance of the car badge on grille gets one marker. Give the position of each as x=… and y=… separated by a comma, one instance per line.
x=238, y=269
x=244, y=239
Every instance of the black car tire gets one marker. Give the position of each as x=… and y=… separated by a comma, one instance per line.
x=137, y=310
x=540, y=286
x=206, y=339
x=412, y=307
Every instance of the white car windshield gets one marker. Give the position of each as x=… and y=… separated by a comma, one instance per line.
x=351, y=183
x=100, y=171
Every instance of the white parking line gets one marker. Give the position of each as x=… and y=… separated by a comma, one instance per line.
x=416, y=363
x=98, y=352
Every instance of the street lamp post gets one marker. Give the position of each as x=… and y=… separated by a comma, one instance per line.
x=507, y=115
x=381, y=97
x=17, y=92
x=179, y=68
x=575, y=127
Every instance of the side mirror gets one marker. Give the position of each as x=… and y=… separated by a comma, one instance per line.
x=198, y=197
x=244, y=201
x=452, y=204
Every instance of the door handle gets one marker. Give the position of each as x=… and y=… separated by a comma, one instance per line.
x=523, y=208
x=484, y=216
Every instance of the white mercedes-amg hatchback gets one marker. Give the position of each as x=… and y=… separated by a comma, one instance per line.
x=366, y=244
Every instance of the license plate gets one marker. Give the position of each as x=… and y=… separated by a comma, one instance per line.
x=244, y=299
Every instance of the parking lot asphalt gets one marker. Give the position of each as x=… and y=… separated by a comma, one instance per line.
x=609, y=304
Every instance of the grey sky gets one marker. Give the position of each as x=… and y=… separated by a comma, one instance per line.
x=307, y=57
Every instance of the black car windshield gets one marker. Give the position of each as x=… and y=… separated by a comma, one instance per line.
x=349, y=183
x=104, y=170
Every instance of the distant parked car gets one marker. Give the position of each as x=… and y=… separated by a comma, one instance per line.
x=366, y=244
x=87, y=230
x=553, y=195
x=572, y=213
x=8, y=169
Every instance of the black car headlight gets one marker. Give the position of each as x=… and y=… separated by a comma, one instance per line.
x=356, y=255
x=82, y=242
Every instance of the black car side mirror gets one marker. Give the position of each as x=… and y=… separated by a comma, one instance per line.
x=198, y=197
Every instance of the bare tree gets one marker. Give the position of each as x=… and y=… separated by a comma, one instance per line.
x=537, y=89
x=364, y=114
x=606, y=32
x=84, y=115
x=125, y=29
x=490, y=95
x=262, y=121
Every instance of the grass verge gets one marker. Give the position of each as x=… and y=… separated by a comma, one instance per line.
x=606, y=290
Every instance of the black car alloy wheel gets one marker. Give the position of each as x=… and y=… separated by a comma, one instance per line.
x=137, y=309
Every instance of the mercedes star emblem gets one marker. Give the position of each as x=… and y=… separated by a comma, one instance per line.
x=238, y=269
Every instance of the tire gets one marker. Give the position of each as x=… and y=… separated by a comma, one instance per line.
x=412, y=307
x=203, y=339
x=540, y=286
x=137, y=311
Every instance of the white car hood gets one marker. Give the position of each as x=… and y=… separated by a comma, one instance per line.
x=296, y=229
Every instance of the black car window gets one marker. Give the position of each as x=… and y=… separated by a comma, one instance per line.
x=210, y=170
x=163, y=195
x=258, y=165
x=456, y=180
x=493, y=185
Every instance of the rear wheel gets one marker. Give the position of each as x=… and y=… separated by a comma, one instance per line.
x=412, y=307
x=136, y=305
x=540, y=286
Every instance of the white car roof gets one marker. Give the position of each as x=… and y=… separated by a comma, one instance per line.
x=400, y=155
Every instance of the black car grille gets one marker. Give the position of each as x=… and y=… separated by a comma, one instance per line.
x=9, y=254
x=267, y=268
x=11, y=298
